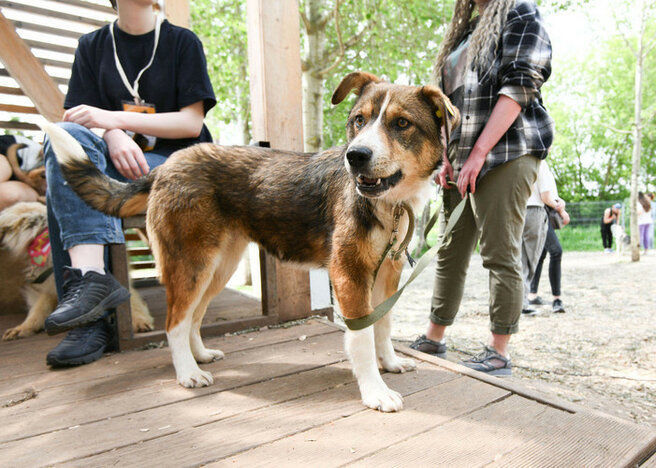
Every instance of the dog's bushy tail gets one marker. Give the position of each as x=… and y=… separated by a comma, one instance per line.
x=109, y=196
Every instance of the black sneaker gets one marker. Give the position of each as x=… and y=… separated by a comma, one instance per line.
x=427, y=346
x=86, y=299
x=490, y=362
x=529, y=312
x=82, y=345
x=557, y=307
x=537, y=301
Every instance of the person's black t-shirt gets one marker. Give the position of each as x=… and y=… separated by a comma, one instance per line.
x=177, y=77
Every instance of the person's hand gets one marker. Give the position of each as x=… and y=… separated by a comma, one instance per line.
x=469, y=173
x=91, y=117
x=445, y=173
x=126, y=155
x=559, y=204
x=565, y=216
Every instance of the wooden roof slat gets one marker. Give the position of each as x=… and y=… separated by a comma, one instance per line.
x=52, y=13
x=56, y=79
x=30, y=26
x=11, y=90
x=50, y=47
x=89, y=5
x=18, y=109
x=18, y=126
x=55, y=63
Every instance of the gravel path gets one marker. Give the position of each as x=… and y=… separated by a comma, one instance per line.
x=601, y=353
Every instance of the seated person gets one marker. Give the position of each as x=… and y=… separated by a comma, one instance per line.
x=138, y=76
x=13, y=190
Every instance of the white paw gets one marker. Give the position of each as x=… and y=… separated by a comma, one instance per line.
x=197, y=378
x=399, y=365
x=209, y=355
x=382, y=399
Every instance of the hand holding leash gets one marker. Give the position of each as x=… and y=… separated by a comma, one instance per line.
x=445, y=175
x=469, y=173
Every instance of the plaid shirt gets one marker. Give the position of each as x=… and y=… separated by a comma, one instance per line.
x=521, y=66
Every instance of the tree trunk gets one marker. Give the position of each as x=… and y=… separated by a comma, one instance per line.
x=637, y=137
x=313, y=82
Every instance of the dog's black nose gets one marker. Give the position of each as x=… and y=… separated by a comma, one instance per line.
x=358, y=156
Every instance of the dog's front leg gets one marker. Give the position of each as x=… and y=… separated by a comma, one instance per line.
x=387, y=282
x=354, y=297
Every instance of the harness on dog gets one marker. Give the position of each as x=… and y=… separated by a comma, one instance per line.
x=384, y=307
x=38, y=250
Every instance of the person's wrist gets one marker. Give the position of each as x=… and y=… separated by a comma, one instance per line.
x=478, y=153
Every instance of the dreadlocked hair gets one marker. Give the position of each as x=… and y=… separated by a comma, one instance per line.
x=484, y=39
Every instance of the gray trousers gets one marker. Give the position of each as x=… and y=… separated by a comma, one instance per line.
x=533, y=239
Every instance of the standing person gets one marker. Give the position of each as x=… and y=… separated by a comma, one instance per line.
x=645, y=222
x=141, y=81
x=491, y=66
x=551, y=245
x=611, y=215
x=653, y=217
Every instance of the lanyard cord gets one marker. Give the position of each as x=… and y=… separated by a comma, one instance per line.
x=134, y=90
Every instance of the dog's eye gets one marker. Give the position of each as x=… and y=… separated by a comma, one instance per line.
x=402, y=123
x=359, y=121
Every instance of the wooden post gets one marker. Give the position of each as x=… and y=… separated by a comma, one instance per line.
x=177, y=12
x=29, y=73
x=274, y=56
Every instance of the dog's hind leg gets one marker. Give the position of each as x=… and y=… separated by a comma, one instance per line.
x=186, y=282
x=386, y=284
x=231, y=253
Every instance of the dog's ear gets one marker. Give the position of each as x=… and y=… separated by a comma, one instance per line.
x=353, y=81
x=447, y=113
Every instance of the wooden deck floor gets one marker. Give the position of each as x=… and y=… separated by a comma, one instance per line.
x=286, y=397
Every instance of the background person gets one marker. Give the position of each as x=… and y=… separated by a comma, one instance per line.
x=551, y=245
x=491, y=67
x=645, y=222
x=138, y=60
x=611, y=215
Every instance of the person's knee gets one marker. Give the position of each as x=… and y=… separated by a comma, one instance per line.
x=13, y=192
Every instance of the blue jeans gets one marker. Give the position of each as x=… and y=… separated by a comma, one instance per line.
x=71, y=221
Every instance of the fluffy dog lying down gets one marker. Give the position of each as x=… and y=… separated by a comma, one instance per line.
x=20, y=225
x=332, y=209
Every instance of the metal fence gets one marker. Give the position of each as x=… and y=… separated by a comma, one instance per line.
x=591, y=212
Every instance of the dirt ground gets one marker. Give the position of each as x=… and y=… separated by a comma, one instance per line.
x=601, y=353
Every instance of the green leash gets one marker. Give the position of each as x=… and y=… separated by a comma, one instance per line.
x=384, y=307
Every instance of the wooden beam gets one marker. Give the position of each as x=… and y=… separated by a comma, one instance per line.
x=275, y=86
x=89, y=5
x=11, y=90
x=30, y=75
x=52, y=13
x=30, y=26
x=51, y=47
x=56, y=79
x=19, y=126
x=177, y=12
x=18, y=109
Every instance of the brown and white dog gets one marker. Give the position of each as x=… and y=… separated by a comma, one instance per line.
x=24, y=248
x=332, y=209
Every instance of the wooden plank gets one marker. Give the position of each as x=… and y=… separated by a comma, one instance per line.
x=50, y=13
x=29, y=73
x=177, y=12
x=89, y=5
x=11, y=125
x=138, y=221
x=56, y=63
x=349, y=439
x=502, y=383
x=650, y=463
x=275, y=90
x=514, y=432
x=18, y=109
x=89, y=381
x=49, y=46
x=210, y=442
x=11, y=90
x=37, y=27
x=121, y=394
x=108, y=434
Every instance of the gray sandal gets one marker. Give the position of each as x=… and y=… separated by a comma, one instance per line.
x=434, y=348
x=490, y=362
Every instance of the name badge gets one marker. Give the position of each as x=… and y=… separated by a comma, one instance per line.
x=145, y=142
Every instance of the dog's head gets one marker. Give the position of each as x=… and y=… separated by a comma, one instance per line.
x=20, y=224
x=394, y=134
